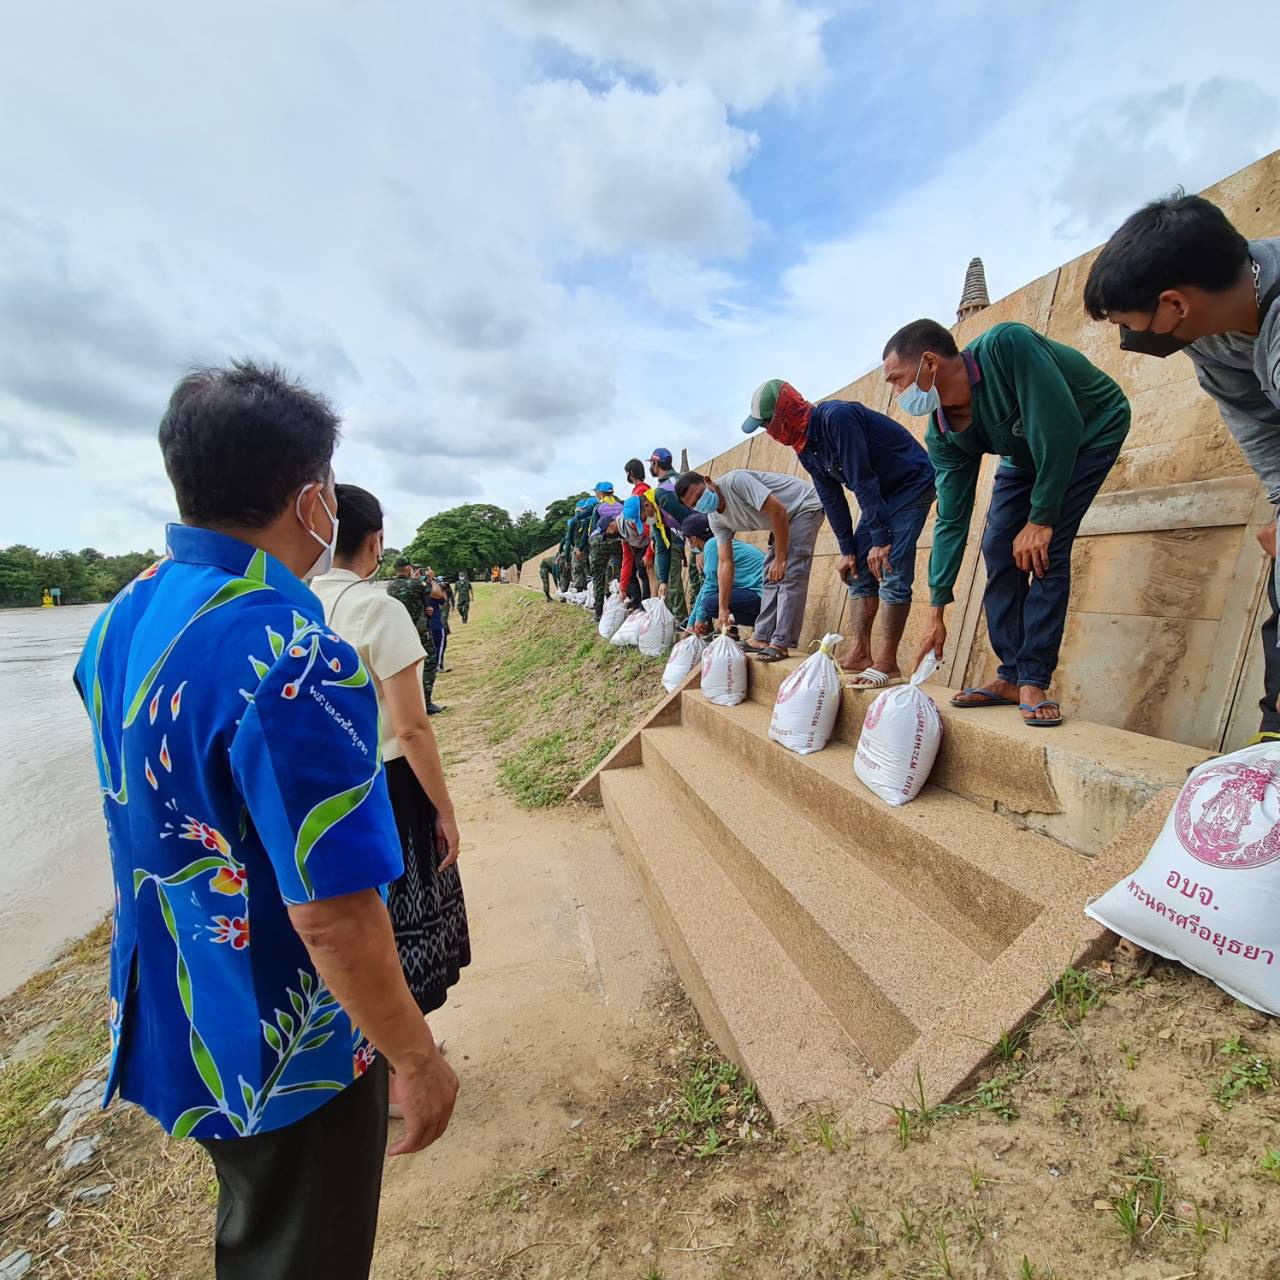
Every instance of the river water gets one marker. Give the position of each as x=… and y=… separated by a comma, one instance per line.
x=55, y=877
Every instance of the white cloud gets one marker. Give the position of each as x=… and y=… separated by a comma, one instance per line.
x=746, y=51
x=510, y=285
x=1187, y=134
x=629, y=169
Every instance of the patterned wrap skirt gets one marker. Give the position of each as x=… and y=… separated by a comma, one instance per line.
x=426, y=905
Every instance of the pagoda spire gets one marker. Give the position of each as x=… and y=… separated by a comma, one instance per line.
x=974, y=296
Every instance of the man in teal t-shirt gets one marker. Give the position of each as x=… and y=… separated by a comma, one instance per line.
x=1057, y=421
x=748, y=577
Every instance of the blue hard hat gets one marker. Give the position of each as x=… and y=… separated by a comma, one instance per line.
x=605, y=486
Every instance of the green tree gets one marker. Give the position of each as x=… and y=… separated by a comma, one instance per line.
x=556, y=517
x=474, y=537
x=387, y=569
x=530, y=536
x=83, y=576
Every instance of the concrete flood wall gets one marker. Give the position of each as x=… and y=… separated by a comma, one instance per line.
x=1168, y=580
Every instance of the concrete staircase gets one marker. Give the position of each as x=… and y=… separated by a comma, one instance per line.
x=833, y=944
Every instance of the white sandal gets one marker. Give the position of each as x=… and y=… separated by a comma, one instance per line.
x=870, y=678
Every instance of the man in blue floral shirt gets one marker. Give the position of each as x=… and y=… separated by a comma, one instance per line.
x=253, y=968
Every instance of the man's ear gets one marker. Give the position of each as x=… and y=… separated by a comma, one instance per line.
x=1176, y=299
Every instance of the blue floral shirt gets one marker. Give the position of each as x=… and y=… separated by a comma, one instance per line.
x=237, y=747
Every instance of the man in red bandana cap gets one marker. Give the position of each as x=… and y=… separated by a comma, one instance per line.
x=844, y=445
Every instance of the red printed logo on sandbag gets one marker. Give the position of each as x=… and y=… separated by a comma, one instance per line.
x=874, y=712
x=790, y=686
x=1221, y=821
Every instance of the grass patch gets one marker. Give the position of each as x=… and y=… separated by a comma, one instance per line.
x=28, y=1086
x=552, y=693
x=1248, y=1071
x=540, y=773
x=711, y=1109
x=513, y=1192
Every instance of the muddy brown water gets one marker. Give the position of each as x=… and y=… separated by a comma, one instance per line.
x=55, y=880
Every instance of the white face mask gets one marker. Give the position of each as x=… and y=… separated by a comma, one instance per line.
x=917, y=403
x=324, y=561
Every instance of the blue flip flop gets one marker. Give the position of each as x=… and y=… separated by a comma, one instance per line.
x=989, y=699
x=1034, y=721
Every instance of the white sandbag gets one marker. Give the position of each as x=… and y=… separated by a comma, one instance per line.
x=611, y=618
x=684, y=657
x=629, y=632
x=900, y=739
x=808, y=700
x=657, y=628
x=724, y=672
x=1208, y=893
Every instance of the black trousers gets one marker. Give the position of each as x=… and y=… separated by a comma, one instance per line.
x=1270, y=663
x=301, y=1203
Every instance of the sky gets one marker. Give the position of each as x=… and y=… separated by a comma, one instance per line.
x=518, y=242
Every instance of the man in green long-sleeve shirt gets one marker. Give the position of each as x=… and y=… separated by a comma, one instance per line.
x=1058, y=422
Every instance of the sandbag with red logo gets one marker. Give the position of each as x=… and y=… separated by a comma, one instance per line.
x=809, y=698
x=724, y=672
x=900, y=738
x=1208, y=893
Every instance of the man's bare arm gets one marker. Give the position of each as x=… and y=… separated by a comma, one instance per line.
x=350, y=942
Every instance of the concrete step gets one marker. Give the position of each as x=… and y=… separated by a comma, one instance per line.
x=750, y=994
x=979, y=877
x=858, y=941
x=1079, y=783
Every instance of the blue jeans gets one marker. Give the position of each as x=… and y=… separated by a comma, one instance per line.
x=743, y=604
x=904, y=532
x=1026, y=614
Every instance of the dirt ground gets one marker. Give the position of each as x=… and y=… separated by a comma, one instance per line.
x=1132, y=1131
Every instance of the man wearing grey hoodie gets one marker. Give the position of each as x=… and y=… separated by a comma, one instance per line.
x=1177, y=275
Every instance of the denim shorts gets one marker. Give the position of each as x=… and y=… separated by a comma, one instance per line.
x=905, y=526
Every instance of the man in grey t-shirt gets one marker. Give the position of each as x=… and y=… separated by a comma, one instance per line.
x=1177, y=275
x=792, y=512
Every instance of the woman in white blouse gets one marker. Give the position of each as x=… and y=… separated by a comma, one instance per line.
x=426, y=904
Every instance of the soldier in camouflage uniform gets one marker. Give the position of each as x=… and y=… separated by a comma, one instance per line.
x=464, y=595
x=412, y=593
x=582, y=522
x=605, y=555
x=564, y=559
x=548, y=572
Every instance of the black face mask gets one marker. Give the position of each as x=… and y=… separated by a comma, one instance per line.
x=1148, y=343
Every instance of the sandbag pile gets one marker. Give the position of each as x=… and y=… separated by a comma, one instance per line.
x=628, y=633
x=724, y=672
x=684, y=657
x=804, y=713
x=900, y=738
x=657, y=627
x=615, y=610
x=1208, y=893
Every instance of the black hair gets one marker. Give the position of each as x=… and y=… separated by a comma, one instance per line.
x=914, y=339
x=240, y=441
x=1178, y=240
x=686, y=482
x=359, y=515
x=635, y=470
